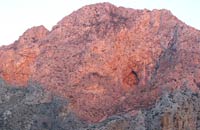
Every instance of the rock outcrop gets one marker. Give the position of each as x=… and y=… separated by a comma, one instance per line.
x=32, y=108
x=106, y=60
x=17, y=58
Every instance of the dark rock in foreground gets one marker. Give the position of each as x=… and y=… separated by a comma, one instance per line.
x=31, y=108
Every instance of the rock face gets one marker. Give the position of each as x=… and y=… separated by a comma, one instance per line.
x=31, y=108
x=17, y=58
x=107, y=60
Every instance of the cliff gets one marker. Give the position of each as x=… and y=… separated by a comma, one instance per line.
x=107, y=60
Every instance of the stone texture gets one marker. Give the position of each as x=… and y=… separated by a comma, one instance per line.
x=17, y=58
x=179, y=110
x=175, y=111
x=106, y=60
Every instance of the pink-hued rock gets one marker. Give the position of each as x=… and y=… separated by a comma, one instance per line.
x=17, y=58
x=106, y=59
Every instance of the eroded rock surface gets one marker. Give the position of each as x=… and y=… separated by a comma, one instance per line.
x=17, y=58
x=106, y=60
x=31, y=108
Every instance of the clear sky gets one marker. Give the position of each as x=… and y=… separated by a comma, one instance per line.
x=16, y=16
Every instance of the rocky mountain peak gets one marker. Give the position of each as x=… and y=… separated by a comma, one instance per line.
x=33, y=35
x=107, y=60
x=104, y=18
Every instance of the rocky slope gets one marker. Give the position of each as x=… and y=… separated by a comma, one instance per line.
x=32, y=108
x=106, y=60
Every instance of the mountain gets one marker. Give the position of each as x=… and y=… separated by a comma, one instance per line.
x=114, y=67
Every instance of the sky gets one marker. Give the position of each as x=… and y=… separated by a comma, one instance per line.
x=16, y=16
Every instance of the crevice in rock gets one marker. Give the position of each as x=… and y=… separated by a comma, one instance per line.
x=173, y=42
x=136, y=75
x=131, y=79
x=168, y=53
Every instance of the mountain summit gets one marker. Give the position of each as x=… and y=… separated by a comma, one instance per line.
x=106, y=60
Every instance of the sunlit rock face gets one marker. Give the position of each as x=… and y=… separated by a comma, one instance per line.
x=106, y=60
x=17, y=58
